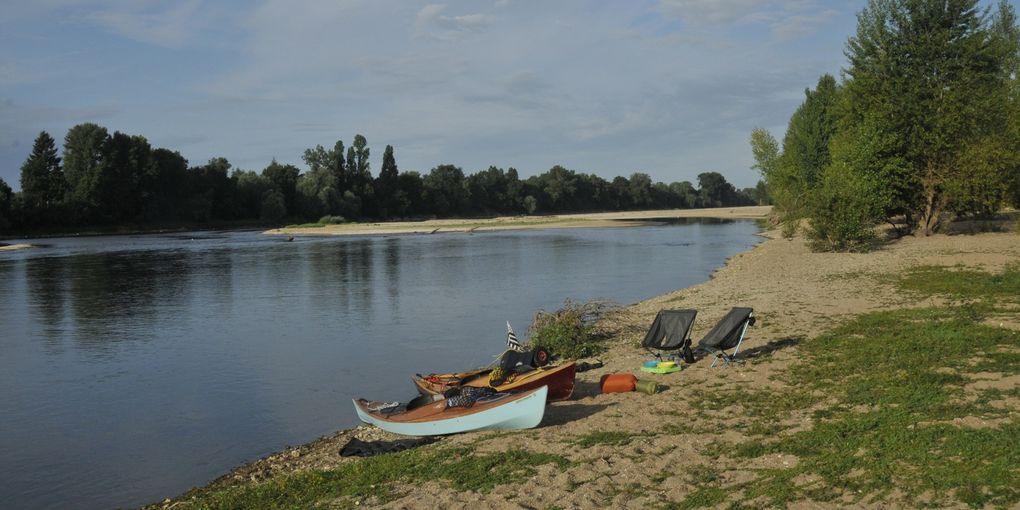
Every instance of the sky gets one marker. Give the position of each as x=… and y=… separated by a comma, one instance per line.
x=671, y=88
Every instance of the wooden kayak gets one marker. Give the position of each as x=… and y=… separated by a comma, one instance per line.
x=559, y=379
x=502, y=411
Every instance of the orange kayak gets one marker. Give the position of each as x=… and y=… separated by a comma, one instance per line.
x=559, y=379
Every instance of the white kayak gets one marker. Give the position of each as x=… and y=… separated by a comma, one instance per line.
x=502, y=411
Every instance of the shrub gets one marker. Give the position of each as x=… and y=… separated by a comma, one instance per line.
x=843, y=212
x=332, y=220
x=570, y=331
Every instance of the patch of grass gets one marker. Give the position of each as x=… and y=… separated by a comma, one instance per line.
x=891, y=423
x=375, y=477
x=307, y=225
x=701, y=498
x=615, y=438
x=884, y=391
x=961, y=282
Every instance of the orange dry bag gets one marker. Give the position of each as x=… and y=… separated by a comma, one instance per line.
x=618, y=383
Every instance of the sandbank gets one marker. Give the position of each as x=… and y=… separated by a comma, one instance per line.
x=590, y=220
x=12, y=247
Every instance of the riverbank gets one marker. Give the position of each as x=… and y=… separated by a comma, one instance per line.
x=591, y=220
x=816, y=416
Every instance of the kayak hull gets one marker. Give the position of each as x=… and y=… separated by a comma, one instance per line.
x=507, y=412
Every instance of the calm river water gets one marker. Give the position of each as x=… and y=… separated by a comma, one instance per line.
x=135, y=367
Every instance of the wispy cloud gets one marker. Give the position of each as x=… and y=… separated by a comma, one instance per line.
x=173, y=26
x=431, y=22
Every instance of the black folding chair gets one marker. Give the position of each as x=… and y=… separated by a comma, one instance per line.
x=671, y=332
x=727, y=334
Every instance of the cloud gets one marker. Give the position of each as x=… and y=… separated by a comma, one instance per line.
x=802, y=24
x=430, y=22
x=712, y=12
x=173, y=27
x=787, y=20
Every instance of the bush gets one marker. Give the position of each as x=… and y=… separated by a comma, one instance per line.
x=843, y=212
x=570, y=331
x=332, y=220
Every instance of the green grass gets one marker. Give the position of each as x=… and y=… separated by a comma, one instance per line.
x=964, y=283
x=378, y=477
x=893, y=384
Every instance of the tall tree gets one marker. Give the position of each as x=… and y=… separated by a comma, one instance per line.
x=934, y=75
x=41, y=178
x=445, y=191
x=387, y=186
x=83, y=146
x=6, y=196
x=285, y=177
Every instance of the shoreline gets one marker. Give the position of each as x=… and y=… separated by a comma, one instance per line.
x=796, y=295
x=585, y=220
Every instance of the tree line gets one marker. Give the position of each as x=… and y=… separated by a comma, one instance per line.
x=104, y=179
x=923, y=127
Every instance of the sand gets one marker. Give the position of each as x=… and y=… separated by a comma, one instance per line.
x=13, y=247
x=795, y=294
x=614, y=219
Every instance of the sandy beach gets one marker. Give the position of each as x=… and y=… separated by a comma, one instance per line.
x=592, y=220
x=796, y=294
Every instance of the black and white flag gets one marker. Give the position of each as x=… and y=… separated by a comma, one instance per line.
x=511, y=338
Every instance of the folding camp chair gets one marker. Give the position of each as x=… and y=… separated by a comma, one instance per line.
x=728, y=333
x=670, y=331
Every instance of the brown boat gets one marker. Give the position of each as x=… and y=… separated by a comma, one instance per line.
x=559, y=379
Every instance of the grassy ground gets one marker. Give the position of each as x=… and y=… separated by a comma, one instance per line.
x=893, y=406
x=887, y=408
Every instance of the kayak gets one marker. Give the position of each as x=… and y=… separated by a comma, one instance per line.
x=500, y=411
x=559, y=379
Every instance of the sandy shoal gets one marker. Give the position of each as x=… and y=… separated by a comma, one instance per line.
x=592, y=220
x=13, y=247
x=795, y=293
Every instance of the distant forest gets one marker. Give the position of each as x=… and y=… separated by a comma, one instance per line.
x=104, y=180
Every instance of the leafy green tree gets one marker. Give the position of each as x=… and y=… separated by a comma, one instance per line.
x=165, y=186
x=843, y=210
x=316, y=195
x=412, y=189
x=272, y=208
x=42, y=185
x=285, y=177
x=212, y=191
x=687, y=196
x=117, y=189
x=445, y=190
x=250, y=195
x=640, y=190
x=714, y=190
x=83, y=153
x=488, y=189
x=560, y=186
x=530, y=204
x=935, y=76
x=812, y=126
x=6, y=196
x=619, y=194
x=387, y=186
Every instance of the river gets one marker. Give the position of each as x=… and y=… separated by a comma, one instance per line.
x=135, y=367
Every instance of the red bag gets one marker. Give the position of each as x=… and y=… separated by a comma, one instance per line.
x=618, y=383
